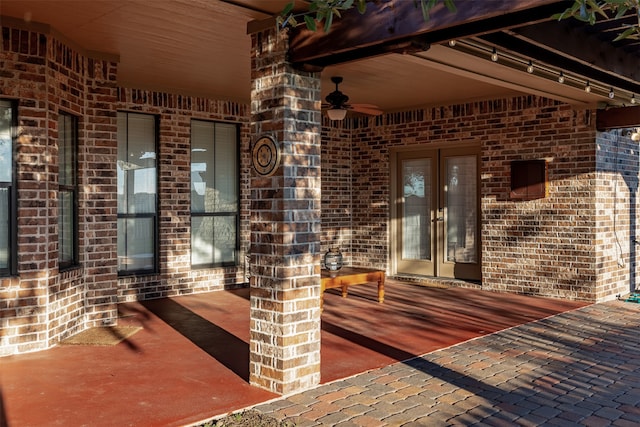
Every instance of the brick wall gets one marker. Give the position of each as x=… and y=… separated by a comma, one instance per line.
x=66, y=84
x=544, y=246
x=336, y=189
x=576, y=243
x=23, y=301
x=41, y=305
x=616, y=214
x=97, y=194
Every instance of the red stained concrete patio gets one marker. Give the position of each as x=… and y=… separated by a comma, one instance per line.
x=190, y=361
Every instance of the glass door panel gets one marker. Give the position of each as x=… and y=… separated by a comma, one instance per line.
x=415, y=252
x=416, y=232
x=459, y=252
x=460, y=209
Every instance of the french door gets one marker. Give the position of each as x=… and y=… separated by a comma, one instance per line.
x=437, y=213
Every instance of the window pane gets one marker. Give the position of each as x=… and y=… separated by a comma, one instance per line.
x=213, y=240
x=214, y=175
x=66, y=150
x=201, y=240
x=137, y=177
x=6, y=143
x=6, y=177
x=224, y=238
x=226, y=175
x=136, y=241
x=202, y=180
x=4, y=228
x=122, y=164
x=66, y=226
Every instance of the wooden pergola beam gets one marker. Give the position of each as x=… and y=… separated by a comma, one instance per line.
x=565, y=38
x=398, y=24
x=618, y=118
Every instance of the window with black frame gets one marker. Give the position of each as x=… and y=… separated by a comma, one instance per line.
x=137, y=193
x=214, y=194
x=8, y=123
x=67, y=191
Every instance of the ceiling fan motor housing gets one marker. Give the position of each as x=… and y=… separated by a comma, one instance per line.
x=336, y=98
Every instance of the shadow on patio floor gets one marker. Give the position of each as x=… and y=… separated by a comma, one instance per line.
x=191, y=360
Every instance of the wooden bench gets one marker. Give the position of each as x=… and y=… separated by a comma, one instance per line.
x=349, y=276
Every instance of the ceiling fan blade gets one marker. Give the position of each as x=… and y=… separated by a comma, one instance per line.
x=369, y=109
x=372, y=106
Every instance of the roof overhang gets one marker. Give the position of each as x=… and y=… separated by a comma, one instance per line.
x=396, y=25
x=521, y=30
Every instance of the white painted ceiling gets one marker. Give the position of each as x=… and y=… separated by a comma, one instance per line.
x=201, y=47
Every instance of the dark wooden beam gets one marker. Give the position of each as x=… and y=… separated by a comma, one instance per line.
x=618, y=118
x=398, y=22
x=583, y=44
x=403, y=46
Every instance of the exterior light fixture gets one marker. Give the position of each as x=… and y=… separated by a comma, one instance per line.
x=494, y=55
x=336, y=113
x=633, y=98
x=452, y=43
x=530, y=67
x=587, y=87
x=561, y=77
x=612, y=94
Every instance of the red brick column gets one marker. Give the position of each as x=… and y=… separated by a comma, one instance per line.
x=285, y=222
x=98, y=200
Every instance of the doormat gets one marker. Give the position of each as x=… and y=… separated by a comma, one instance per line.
x=105, y=336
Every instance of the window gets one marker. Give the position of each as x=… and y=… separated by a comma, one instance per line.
x=8, y=123
x=137, y=193
x=67, y=191
x=214, y=194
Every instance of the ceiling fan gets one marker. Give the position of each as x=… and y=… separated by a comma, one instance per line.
x=337, y=104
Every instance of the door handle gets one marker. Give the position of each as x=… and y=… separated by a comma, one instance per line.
x=438, y=219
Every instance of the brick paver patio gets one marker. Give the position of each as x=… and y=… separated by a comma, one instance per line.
x=577, y=368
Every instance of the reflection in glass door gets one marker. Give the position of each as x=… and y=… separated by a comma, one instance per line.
x=437, y=214
x=460, y=252
x=416, y=207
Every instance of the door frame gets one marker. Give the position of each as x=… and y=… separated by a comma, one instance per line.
x=465, y=148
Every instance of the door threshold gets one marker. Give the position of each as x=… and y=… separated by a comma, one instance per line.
x=437, y=282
